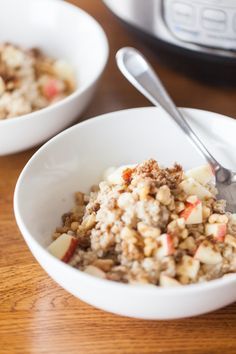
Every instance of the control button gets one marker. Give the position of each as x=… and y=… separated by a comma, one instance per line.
x=183, y=13
x=214, y=15
x=214, y=19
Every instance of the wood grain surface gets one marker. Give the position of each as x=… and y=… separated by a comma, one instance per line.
x=36, y=315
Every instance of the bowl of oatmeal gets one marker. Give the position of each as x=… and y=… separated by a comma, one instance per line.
x=30, y=80
x=48, y=71
x=131, y=223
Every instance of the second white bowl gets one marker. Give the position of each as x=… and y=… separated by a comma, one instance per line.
x=62, y=31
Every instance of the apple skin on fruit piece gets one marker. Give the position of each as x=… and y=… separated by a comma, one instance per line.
x=205, y=253
x=202, y=174
x=192, y=213
x=70, y=251
x=192, y=187
x=166, y=247
x=51, y=89
x=217, y=230
x=63, y=247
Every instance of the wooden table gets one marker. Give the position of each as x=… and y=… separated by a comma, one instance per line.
x=36, y=315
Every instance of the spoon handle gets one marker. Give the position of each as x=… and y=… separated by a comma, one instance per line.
x=141, y=75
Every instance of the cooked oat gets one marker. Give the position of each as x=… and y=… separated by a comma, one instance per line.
x=30, y=81
x=150, y=228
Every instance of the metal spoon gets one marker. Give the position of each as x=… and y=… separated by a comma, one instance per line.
x=139, y=72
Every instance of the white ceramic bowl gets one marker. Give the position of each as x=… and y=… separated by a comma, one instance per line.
x=75, y=159
x=62, y=31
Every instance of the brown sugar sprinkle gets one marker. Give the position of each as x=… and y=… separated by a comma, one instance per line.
x=170, y=177
x=135, y=231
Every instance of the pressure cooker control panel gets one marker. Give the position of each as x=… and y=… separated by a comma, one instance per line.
x=206, y=22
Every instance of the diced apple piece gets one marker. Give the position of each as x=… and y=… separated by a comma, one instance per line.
x=192, y=213
x=51, y=89
x=217, y=230
x=192, y=187
x=202, y=174
x=63, y=247
x=95, y=271
x=192, y=199
x=64, y=71
x=116, y=176
x=188, y=267
x=206, y=253
x=108, y=172
x=166, y=281
x=166, y=247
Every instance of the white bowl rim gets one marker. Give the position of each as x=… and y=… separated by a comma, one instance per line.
x=80, y=89
x=172, y=291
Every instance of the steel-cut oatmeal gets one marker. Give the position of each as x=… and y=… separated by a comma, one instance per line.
x=150, y=225
x=29, y=80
